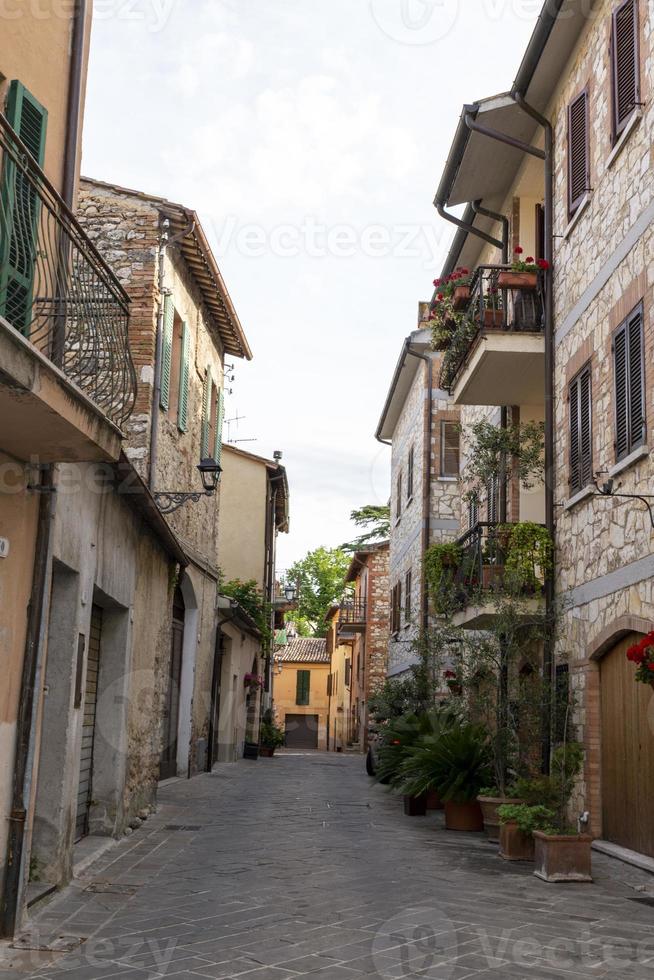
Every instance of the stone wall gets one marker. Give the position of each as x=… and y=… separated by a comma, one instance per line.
x=378, y=620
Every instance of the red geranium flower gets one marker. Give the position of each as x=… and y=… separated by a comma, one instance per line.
x=543, y=264
x=440, y=297
x=518, y=250
x=437, y=283
x=650, y=667
x=448, y=674
x=530, y=259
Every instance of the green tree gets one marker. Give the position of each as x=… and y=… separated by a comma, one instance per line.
x=376, y=520
x=320, y=577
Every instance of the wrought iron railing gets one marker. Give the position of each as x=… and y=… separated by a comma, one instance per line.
x=482, y=569
x=353, y=613
x=494, y=306
x=55, y=287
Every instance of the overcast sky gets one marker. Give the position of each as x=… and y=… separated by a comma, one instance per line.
x=310, y=136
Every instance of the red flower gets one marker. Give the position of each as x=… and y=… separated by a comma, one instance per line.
x=650, y=667
x=437, y=283
x=466, y=272
x=530, y=259
x=542, y=264
x=636, y=654
x=440, y=297
x=449, y=673
x=518, y=250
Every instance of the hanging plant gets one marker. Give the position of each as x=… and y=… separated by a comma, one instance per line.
x=529, y=558
x=442, y=562
x=642, y=654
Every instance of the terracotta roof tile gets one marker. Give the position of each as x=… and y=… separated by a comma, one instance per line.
x=304, y=650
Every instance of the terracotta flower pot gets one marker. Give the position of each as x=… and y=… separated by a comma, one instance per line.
x=492, y=576
x=464, y=816
x=266, y=751
x=514, y=844
x=562, y=858
x=434, y=801
x=493, y=319
x=415, y=806
x=489, y=806
x=460, y=297
x=517, y=280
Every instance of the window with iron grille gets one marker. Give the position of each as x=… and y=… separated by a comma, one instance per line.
x=449, y=448
x=407, y=596
x=581, y=446
x=629, y=384
x=409, y=475
x=578, y=152
x=625, y=64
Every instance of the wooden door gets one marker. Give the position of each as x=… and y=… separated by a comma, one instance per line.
x=85, y=785
x=168, y=761
x=301, y=731
x=627, y=753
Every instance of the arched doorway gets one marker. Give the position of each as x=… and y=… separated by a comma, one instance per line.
x=168, y=762
x=627, y=719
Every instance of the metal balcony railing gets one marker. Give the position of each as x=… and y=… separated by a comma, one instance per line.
x=353, y=613
x=483, y=560
x=493, y=306
x=55, y=287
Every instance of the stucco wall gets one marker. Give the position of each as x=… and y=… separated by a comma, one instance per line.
x=285, y=691
x=242, y=524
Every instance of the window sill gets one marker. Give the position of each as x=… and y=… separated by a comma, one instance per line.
x=633, y=124
x=634, y=457
x=447, y=479
x=579, y=497
x=572, y=224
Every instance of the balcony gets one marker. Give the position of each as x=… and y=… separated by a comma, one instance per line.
x=497, y=356
x=67, y=380
x=352, y=618
x=483, y=578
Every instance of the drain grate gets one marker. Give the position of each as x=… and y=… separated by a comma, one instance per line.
x=182, y=826
x=110, y=888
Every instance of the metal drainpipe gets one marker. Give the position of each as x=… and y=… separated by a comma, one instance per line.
x=74, y=102
x=547, y=155
x=164, y=245
x=426, y=482
x=440, y=207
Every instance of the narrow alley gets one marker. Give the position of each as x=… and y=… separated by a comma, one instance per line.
x=302, y=866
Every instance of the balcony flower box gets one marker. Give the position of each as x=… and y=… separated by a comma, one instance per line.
x=460, y=297
x=562, y=857
x=493, y=319
x=518, y=280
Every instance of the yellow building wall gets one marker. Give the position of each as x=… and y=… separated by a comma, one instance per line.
x=242, y=521
x=284, y=691
x=35, y=50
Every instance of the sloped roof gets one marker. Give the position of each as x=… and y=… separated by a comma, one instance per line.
x=304, y=650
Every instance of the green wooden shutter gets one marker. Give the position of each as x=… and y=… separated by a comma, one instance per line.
x=220, y=417
x=303, y=687
x=182, y=404
x=20, y=209
x=167, y=352
x=206, y=414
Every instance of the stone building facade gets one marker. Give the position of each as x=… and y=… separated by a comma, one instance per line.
x=182, y=328
x=425, y=500
x=588, y=71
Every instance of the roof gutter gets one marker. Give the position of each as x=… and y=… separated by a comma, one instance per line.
x=391, y=392
x=537, y=43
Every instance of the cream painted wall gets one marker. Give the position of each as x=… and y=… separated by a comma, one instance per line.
x=242, y=520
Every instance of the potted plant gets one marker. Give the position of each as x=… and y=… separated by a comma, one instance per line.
x=455, y=762
x=271, y=736
x=561, y=853
x=642, y=654
x=493, y=309
x=441, y=562
x=523, y=274
x=517, y=825
x=399, y=736
x=407, y=743
x=456, y=287
x=528, y=557
x=491, y=801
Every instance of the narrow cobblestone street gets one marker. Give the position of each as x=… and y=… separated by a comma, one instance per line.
x=302, y=866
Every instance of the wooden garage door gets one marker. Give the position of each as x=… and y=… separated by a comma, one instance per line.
x=301, y=731
x=84, y=792
x=627, y=753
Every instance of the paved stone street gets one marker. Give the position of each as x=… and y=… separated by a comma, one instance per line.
x=301, y=866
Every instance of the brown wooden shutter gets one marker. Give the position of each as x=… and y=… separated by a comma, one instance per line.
x=449, y=448
x=624, y=64
x=578, y=152
x=629, y=385
x=581, y=449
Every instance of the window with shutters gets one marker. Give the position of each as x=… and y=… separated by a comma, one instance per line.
x=409, y=475
x=396, y=608
x=449, y=463
x=20, y=208
x=408, y=581
x=303, y=687
x=581, y=446
x=208, y=415
x=166, y=352
x=398, y=497
x=629, y=384
x=578, y=152
x=178, y=372
x=625, y=64
x=493, y=499
x=348, y=672
x=220, y=418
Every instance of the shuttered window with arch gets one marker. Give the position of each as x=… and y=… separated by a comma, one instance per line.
x=629, y=384
x=625, y=64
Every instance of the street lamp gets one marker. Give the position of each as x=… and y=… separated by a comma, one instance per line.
x=170, y=500
x=290, y=591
